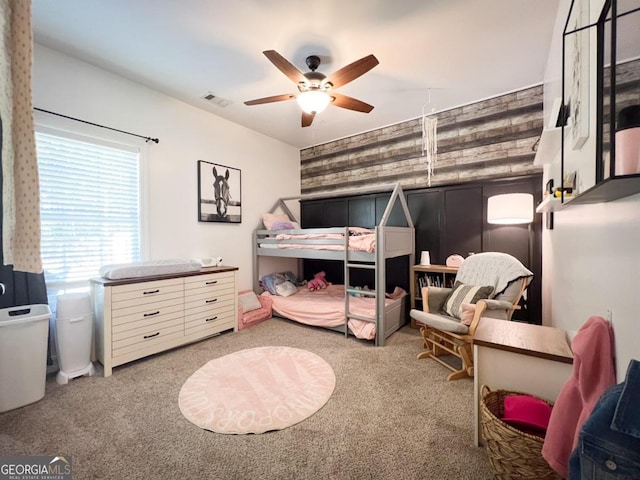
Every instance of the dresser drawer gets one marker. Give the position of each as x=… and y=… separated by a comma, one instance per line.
x=132, y=322
x=209, y=299
x=123, y=295
x=140, y=329
x=146, y=337
x=208, y=314
x=153, y=300
x=205, y=325
x=147, y=310
x=211, y=280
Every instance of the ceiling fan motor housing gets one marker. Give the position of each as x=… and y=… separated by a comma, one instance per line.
x=313, y=62
x=315, y=81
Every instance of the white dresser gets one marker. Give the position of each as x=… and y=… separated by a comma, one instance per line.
x=136, y=317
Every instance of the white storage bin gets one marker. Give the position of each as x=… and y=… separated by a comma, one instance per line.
x=74, y=329
x=24, y=332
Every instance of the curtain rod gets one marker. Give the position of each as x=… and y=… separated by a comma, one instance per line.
x=146, y=139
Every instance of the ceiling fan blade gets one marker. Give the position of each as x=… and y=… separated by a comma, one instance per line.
x=275, y=98
x=285, y=66
x=350, y=103
x=352, y=71
x=307, y=118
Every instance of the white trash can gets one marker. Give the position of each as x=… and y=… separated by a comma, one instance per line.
x=74, y=330
x=24, y=332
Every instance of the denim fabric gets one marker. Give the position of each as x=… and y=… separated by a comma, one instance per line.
x=609, y=442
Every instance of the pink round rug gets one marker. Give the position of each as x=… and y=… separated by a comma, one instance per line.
x=257, y=390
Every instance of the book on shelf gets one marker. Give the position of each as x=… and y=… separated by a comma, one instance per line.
x=429, y=280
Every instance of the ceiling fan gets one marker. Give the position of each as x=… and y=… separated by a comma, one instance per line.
x=316, y=90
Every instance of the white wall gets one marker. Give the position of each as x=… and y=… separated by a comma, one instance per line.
x=270, y=169
x=591, y=259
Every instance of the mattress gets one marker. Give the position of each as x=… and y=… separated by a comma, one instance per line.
x=360, y=239
x=325, y=308
x=148, y=269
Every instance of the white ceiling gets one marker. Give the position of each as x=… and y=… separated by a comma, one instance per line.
x=455, y=51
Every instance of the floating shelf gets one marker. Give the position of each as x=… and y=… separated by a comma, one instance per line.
x=552, y=204
x=549, y=146
x=610, y=189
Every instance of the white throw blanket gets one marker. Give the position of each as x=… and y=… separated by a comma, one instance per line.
x=492, y=268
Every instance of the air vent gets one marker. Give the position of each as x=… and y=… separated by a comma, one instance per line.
x=221, y=102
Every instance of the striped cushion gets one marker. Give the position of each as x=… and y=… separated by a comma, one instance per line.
x=462, y=293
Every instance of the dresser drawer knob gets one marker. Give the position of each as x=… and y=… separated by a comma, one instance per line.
x=151, y=314
x=152, y=335
x=149, y=292
x=212, y=282
x=211, y=301
x=211, y=319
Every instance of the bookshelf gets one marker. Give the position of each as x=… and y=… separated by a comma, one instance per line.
x=429, y=276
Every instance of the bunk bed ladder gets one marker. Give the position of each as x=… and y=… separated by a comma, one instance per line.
x=354, y=291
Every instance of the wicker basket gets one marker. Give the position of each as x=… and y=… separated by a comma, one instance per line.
x=512, y=453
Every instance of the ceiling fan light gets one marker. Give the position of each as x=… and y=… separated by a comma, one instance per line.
x=313, y=101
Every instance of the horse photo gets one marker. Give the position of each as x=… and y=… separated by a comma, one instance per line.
x=221, y=189
x=219, y=193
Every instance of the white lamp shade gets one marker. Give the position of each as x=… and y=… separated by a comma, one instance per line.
x=510, y=208
x=313, y=101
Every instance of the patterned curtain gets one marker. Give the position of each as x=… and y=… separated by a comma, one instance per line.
x=20, y=183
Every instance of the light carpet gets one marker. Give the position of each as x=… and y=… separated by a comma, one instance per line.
x=391, y=417
x=257, y=390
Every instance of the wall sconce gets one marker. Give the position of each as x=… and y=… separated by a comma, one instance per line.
x=510, y=209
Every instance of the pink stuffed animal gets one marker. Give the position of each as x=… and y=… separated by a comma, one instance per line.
x=318, y=282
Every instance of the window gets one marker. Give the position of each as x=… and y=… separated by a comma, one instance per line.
x=89, y=205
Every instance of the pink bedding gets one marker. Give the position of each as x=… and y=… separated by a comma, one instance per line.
x=325, y=308
x=361, y=239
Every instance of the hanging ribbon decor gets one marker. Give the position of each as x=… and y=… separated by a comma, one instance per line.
x=429, y=140
x=430, y=144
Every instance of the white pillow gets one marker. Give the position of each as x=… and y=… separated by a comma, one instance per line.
x=249, y=301
x=285, y=289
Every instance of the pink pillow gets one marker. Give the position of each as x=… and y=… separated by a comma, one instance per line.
x=526, y=413
x=467, y=312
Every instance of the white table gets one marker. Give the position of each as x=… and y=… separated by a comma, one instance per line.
x=520, y=357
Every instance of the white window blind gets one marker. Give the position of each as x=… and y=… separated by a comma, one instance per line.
x=89, y=207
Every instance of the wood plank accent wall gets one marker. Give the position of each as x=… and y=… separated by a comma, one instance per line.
x=492, y=138
x=627, y=88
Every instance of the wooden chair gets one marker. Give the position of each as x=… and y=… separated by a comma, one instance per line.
x=444, y=334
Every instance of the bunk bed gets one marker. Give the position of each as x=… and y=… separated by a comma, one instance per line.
x=337, y=243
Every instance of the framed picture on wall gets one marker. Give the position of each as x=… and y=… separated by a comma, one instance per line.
x=578, y=51
x=219, y=193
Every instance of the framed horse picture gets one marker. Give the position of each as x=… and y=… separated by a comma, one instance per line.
x=219, y=193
